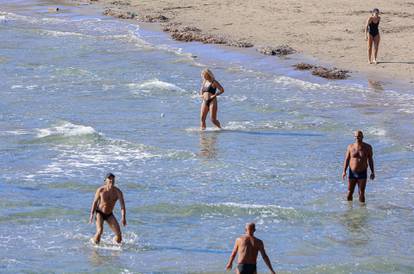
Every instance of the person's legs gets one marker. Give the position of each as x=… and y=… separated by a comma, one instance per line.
x=362, y=183
x=351, y=187
x=370, y=40
x=203, y=114
x=213, y=113
x=113, y=224
x=99, y=228
x=376, y=45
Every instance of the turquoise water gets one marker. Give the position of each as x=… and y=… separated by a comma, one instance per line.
x=82, y=95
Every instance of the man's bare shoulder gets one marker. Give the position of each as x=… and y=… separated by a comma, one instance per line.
x=118, y=190
x=258, y=241
x=100, y=189
x=367, y=146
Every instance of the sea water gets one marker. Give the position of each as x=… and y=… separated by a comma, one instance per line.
x=82, y=95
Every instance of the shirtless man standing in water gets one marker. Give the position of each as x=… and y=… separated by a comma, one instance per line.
x=358, y=157
x=247, y=247
x=103, y=205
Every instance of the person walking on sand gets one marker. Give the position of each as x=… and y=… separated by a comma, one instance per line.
x=103, y=204
x=373, y=37
x=247, y=248
x=208, y=93
x=358, y=157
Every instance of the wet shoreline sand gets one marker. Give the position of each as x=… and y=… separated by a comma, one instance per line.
x=331, y=32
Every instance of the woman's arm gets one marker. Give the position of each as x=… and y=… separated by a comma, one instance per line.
x=219, y=87
x=201, y=88
x=366, y=28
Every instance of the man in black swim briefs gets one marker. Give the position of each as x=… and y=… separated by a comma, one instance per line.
x=103, y=204
x=358, y=157
x=247, y=247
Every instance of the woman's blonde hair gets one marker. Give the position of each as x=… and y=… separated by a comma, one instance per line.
x=209, y=72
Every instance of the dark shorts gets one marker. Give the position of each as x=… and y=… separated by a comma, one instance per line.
x=246, y=268
x=105, y=216
x=358, y=175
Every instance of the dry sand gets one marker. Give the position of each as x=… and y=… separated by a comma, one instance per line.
x=330, y=30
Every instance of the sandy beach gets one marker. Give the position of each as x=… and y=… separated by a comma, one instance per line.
x=331, y=31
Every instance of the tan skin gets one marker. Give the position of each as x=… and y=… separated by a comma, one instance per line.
x=105, y=200
x=247, y=247
x=372, y=40
x=213, y=104
x=358, y=157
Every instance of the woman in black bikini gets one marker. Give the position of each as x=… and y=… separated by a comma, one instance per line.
x=374, y=36
x=209, y=95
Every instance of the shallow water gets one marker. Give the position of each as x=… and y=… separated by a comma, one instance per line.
x=83, y=95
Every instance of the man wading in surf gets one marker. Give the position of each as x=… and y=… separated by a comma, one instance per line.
x=247, y=247
x=103, y=205
x=358, y=157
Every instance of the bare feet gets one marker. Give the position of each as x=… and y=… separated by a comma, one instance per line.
x=369, y=62
x=375, y=62
x=93, y=241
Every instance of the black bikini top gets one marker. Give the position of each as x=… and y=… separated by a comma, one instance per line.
x=210, y=88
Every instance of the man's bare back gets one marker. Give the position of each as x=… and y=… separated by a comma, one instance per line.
x=247, y=247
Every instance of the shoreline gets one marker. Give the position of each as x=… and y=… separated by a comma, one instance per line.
x=276, y=33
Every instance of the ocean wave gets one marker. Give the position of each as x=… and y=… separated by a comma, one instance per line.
x=133, y=37
x=227, y=209
x=154, y=85
x=9, y=16
x=56, y=33
x=79, y=148
x=255, y=125
x=66, y=129
x=377, y=131
x=14, y=132
x=39, y=213
x=286, y=81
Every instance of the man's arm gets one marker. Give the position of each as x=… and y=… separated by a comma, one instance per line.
x=346, y=161
x=371, y=162
x=266, y=258
x=232, y=256
x=123, y=209
x=94, y=204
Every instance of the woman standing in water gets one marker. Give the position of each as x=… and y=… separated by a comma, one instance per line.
x=374, y=37
x=209, y=94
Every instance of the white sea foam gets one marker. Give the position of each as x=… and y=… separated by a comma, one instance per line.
x=154, y=85
x=65, y=129
x=14, y=132
x=377, y=131
x=252, y=125
x=287, y=81
x=133, y=37
x=81, y=147
x=253, y=206
x=29, y=19
x=56, y=33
